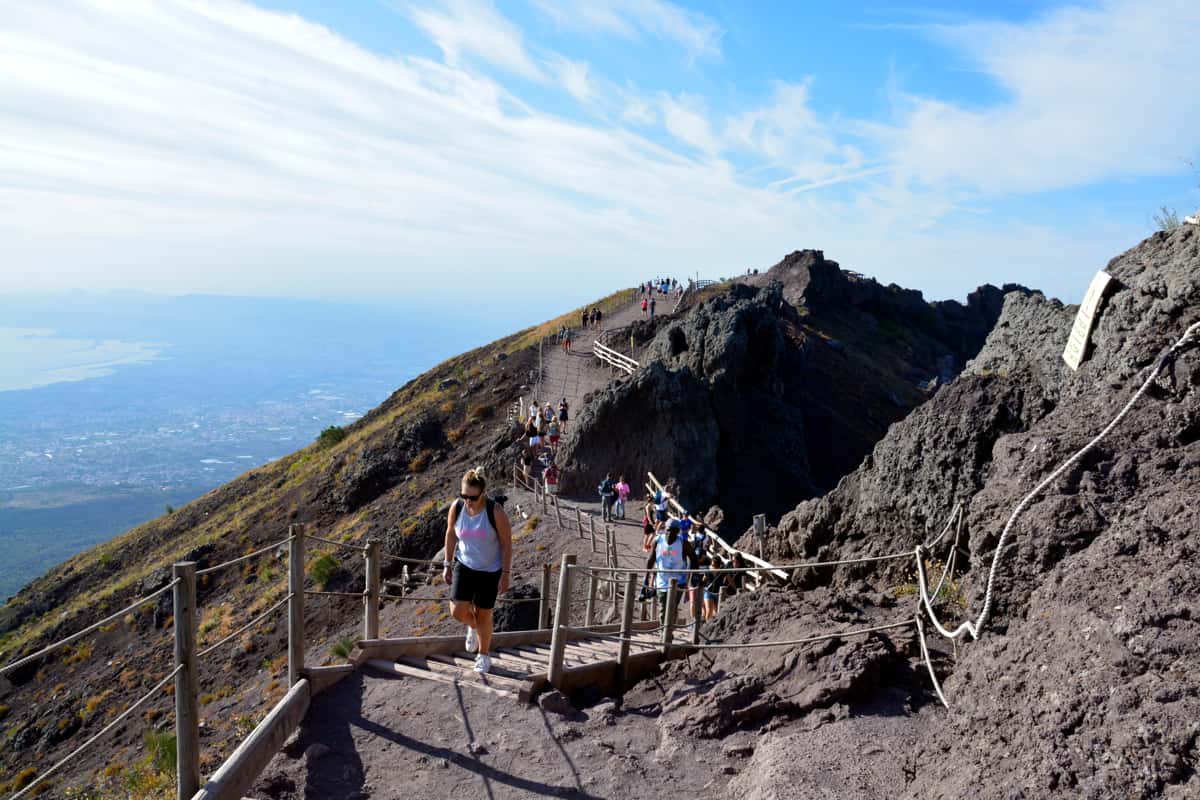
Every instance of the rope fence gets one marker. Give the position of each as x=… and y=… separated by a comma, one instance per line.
x=247, y=557
x=94, y=626
x=245, y=627
x=40, y=779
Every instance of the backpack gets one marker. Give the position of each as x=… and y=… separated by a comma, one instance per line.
x=606, y=486
x=491, y=510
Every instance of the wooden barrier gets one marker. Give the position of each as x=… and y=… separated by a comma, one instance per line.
x=371, y=596
x=295, y=604
x=187, y=683
x=626, y=631
x=241, y=770
x=669, y=617
x=544, y=602
x=613, y=358
x=562, y=610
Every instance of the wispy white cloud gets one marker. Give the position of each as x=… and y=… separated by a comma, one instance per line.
x=474, y=28
x=1093, y=93
x=696, y=33
x=216, y=146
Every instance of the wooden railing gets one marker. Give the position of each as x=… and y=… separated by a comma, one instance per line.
x=654, y=485
x=613, y=358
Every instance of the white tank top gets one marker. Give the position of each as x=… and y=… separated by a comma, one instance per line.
x=478, y=545
x=669, y=557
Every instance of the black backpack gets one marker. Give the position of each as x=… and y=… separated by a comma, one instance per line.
x=491, y=510
x=606, y=487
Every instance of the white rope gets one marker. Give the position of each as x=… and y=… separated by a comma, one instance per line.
x=937, y=687
x=406, y=560
x=724, y=570
x=975, y=627
x=62, y=642
x=950, y=561
x=120, y=718
x=244, y=628
x=336, y=543
x=246, y=557
x=735, y=646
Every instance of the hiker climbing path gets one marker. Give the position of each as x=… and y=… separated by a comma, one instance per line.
x=572, y=375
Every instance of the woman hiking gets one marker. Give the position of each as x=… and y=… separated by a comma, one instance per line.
x=478, y=562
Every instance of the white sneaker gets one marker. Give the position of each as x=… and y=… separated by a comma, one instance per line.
x=472, y=643
x=483, y=663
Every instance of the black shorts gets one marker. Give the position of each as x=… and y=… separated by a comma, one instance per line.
x=473, y=586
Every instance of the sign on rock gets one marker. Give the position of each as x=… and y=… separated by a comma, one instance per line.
x=1085, y=321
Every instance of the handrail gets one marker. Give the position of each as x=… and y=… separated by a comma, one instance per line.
x=753, y=559
x=612, y=357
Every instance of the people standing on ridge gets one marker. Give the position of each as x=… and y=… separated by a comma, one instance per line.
x=477, y=562
x=645, y=305
x=622, y=496
x=653, y=303
x=598, y=316
x=608, y=494
x=670, y=556
x=566, y=342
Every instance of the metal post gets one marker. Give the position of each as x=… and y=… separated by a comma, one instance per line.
x=697, y=612
x=760, y=531
x=187, y=705
x=591, y=599
x=626, y=629
x=669, y=617
x=544, y=603
x=558, y=639
x=371, y=597
x=592, y=525
x=295, y=605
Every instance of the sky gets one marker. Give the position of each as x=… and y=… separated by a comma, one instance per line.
x=548, y=151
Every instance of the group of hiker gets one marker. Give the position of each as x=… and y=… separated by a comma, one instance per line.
x=650, y=291
x=543, y=430
x=675, y=544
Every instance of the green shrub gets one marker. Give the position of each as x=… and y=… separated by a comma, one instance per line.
x=330, y=436
x=162, y=751
x=344, y=647
x=323, y=569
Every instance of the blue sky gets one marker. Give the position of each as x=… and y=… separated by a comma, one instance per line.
x=403, y=148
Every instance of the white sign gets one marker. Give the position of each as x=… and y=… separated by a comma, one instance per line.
x=1085, y=321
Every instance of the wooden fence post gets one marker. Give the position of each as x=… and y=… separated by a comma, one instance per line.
x=187, y=706
x=592, y=525
x=557, y=510
x=654, y=604
x=579, y=522
x=669, y=616
x=626, y=630
x=371, y=597
x=721, y=595
x=544, y=603
x=558, y=639
x=591, y=599
x=295, y=604
x=760, y=531
x=697, y=612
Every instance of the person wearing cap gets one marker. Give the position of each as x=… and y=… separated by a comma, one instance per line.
x=672, y=554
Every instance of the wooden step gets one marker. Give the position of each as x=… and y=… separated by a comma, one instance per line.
x=417, y=668
x=466, y=668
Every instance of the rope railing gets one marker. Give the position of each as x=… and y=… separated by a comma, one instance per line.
x=408, y=560
x=738, y=645
x=245, y=627
x=1190, y=338
x=247, y=557
x=336, y=543
x=94, y=626
x=40, y=779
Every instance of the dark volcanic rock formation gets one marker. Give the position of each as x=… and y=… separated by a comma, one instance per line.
x=765, y=393
x=1085, y=682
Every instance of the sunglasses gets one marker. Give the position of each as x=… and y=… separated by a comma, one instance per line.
x=471, y=498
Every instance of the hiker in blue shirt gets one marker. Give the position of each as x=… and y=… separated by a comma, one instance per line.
x=671, y=554
x=608, y=494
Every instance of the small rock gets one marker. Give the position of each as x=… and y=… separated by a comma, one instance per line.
x=501, y=356
x=448, y=383
x=729, y=770
x=443, y=763
x=734, y=750
x=476, y=749
x=316, y=751
x=556, y=702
